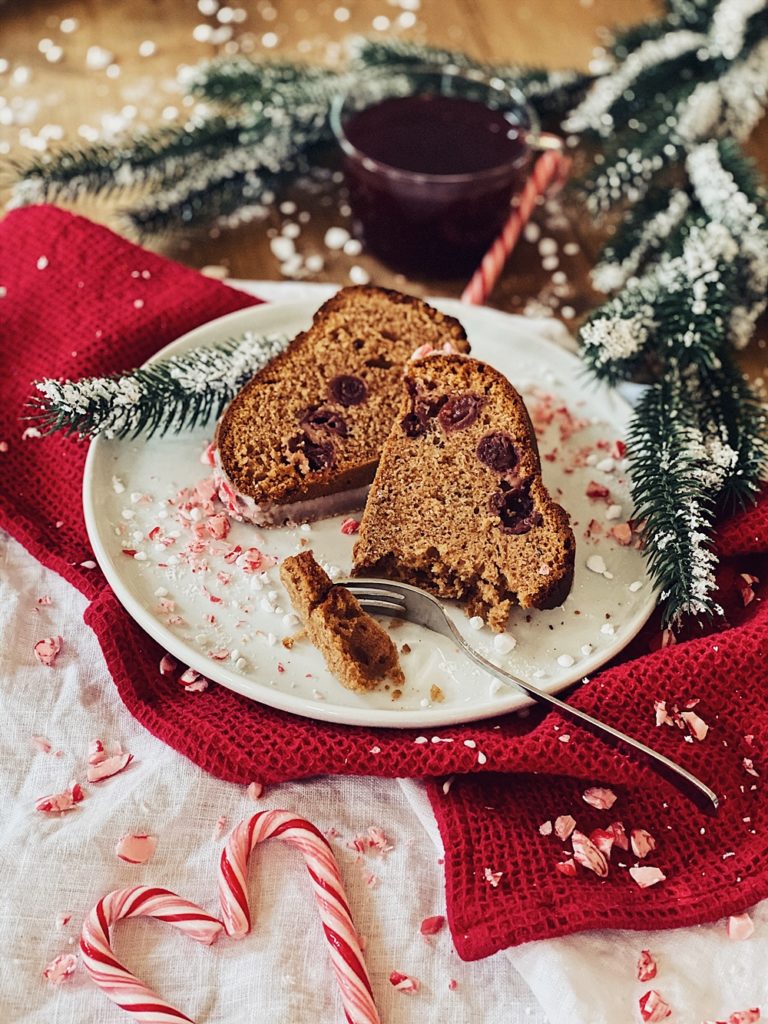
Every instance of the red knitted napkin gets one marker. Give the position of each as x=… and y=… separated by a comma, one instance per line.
x=79, y=300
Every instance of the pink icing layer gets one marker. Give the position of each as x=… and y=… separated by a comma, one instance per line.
x=241, y=506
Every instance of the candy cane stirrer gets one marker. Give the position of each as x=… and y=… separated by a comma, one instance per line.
x=112, y=977
x=551, y=168
x=339, y=928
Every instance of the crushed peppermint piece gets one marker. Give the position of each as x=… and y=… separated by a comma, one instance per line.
x=453, y=985
x=596, y=563
x=492, y=877
x=613, y=512
x=739, y=927
x=60, y=968
x=647, y=876
x=587, y=854
x=432, y=925
x=622, y=534
x=136, y=848
x=350, y=526
x=603, y=838
x=167, y=665
x=567, y=867
x=476, y=622
x=220, y=827
x=597, y=491
x=57, y=803
x=744, y=1016
x=44, y=745
x=653, y=1008
x=378, y=840
x=566, y=660
x=564, y=826
x=62, y=920
x=634, y=587
x=749, y=767
x=601, y=798
x=646, y=966
x=255, y=790
x=620, y=837
x=642, y=842
x=48, y=650
x=106, y=767
x=403, y=982
x=697, y=726
x=545, y=829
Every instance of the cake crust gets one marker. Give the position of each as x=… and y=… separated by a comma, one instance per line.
x=458, y=505
x=311, y=424
x=356, y=649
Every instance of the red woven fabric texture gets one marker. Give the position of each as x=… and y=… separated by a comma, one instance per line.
x=77, y=316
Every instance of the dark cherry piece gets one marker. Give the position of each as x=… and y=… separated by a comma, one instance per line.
x=322, y=419
x=515, y=509
x=460, y=412
x=320, y=454
x=498, y=451
x=348, y=390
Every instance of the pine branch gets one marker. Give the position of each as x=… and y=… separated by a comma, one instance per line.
x=240, y=80
x=550, y=93
x=729, y=408
x=672, y=493
x=172, y=394
x=648, y=228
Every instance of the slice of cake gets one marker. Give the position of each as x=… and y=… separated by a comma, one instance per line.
x=302, y=439
x=357, y=650
x=458, y=506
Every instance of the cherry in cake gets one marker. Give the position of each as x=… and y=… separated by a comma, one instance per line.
x=458, y=505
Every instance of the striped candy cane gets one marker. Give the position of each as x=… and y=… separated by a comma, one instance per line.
x=112, y=977
x=339, y=928
x=551, y=167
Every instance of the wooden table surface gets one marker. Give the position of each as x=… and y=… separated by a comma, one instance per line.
x=48, y=93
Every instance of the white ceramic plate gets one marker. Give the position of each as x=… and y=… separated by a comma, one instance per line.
x=242, y=618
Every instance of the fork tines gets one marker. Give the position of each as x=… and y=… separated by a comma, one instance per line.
x=377, y=598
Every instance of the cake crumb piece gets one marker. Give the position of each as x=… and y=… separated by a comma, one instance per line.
x=357, y=650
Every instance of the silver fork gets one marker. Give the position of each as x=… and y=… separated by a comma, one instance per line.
x=402, y=601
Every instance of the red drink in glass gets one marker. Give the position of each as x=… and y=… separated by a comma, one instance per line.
x=431, y=174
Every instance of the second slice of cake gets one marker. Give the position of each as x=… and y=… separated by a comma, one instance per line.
x=458, y=505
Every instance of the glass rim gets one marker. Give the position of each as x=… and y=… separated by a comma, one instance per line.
x=447, y=71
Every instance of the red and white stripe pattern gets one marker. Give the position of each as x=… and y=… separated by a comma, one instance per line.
x=346, y=954
x=113, y=977
x=551, y=168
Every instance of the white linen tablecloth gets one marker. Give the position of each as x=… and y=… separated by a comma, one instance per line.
x=51, y=865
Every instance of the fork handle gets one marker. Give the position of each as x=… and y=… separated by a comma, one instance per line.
x=686, y=782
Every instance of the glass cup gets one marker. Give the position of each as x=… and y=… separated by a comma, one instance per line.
x=432, y=159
